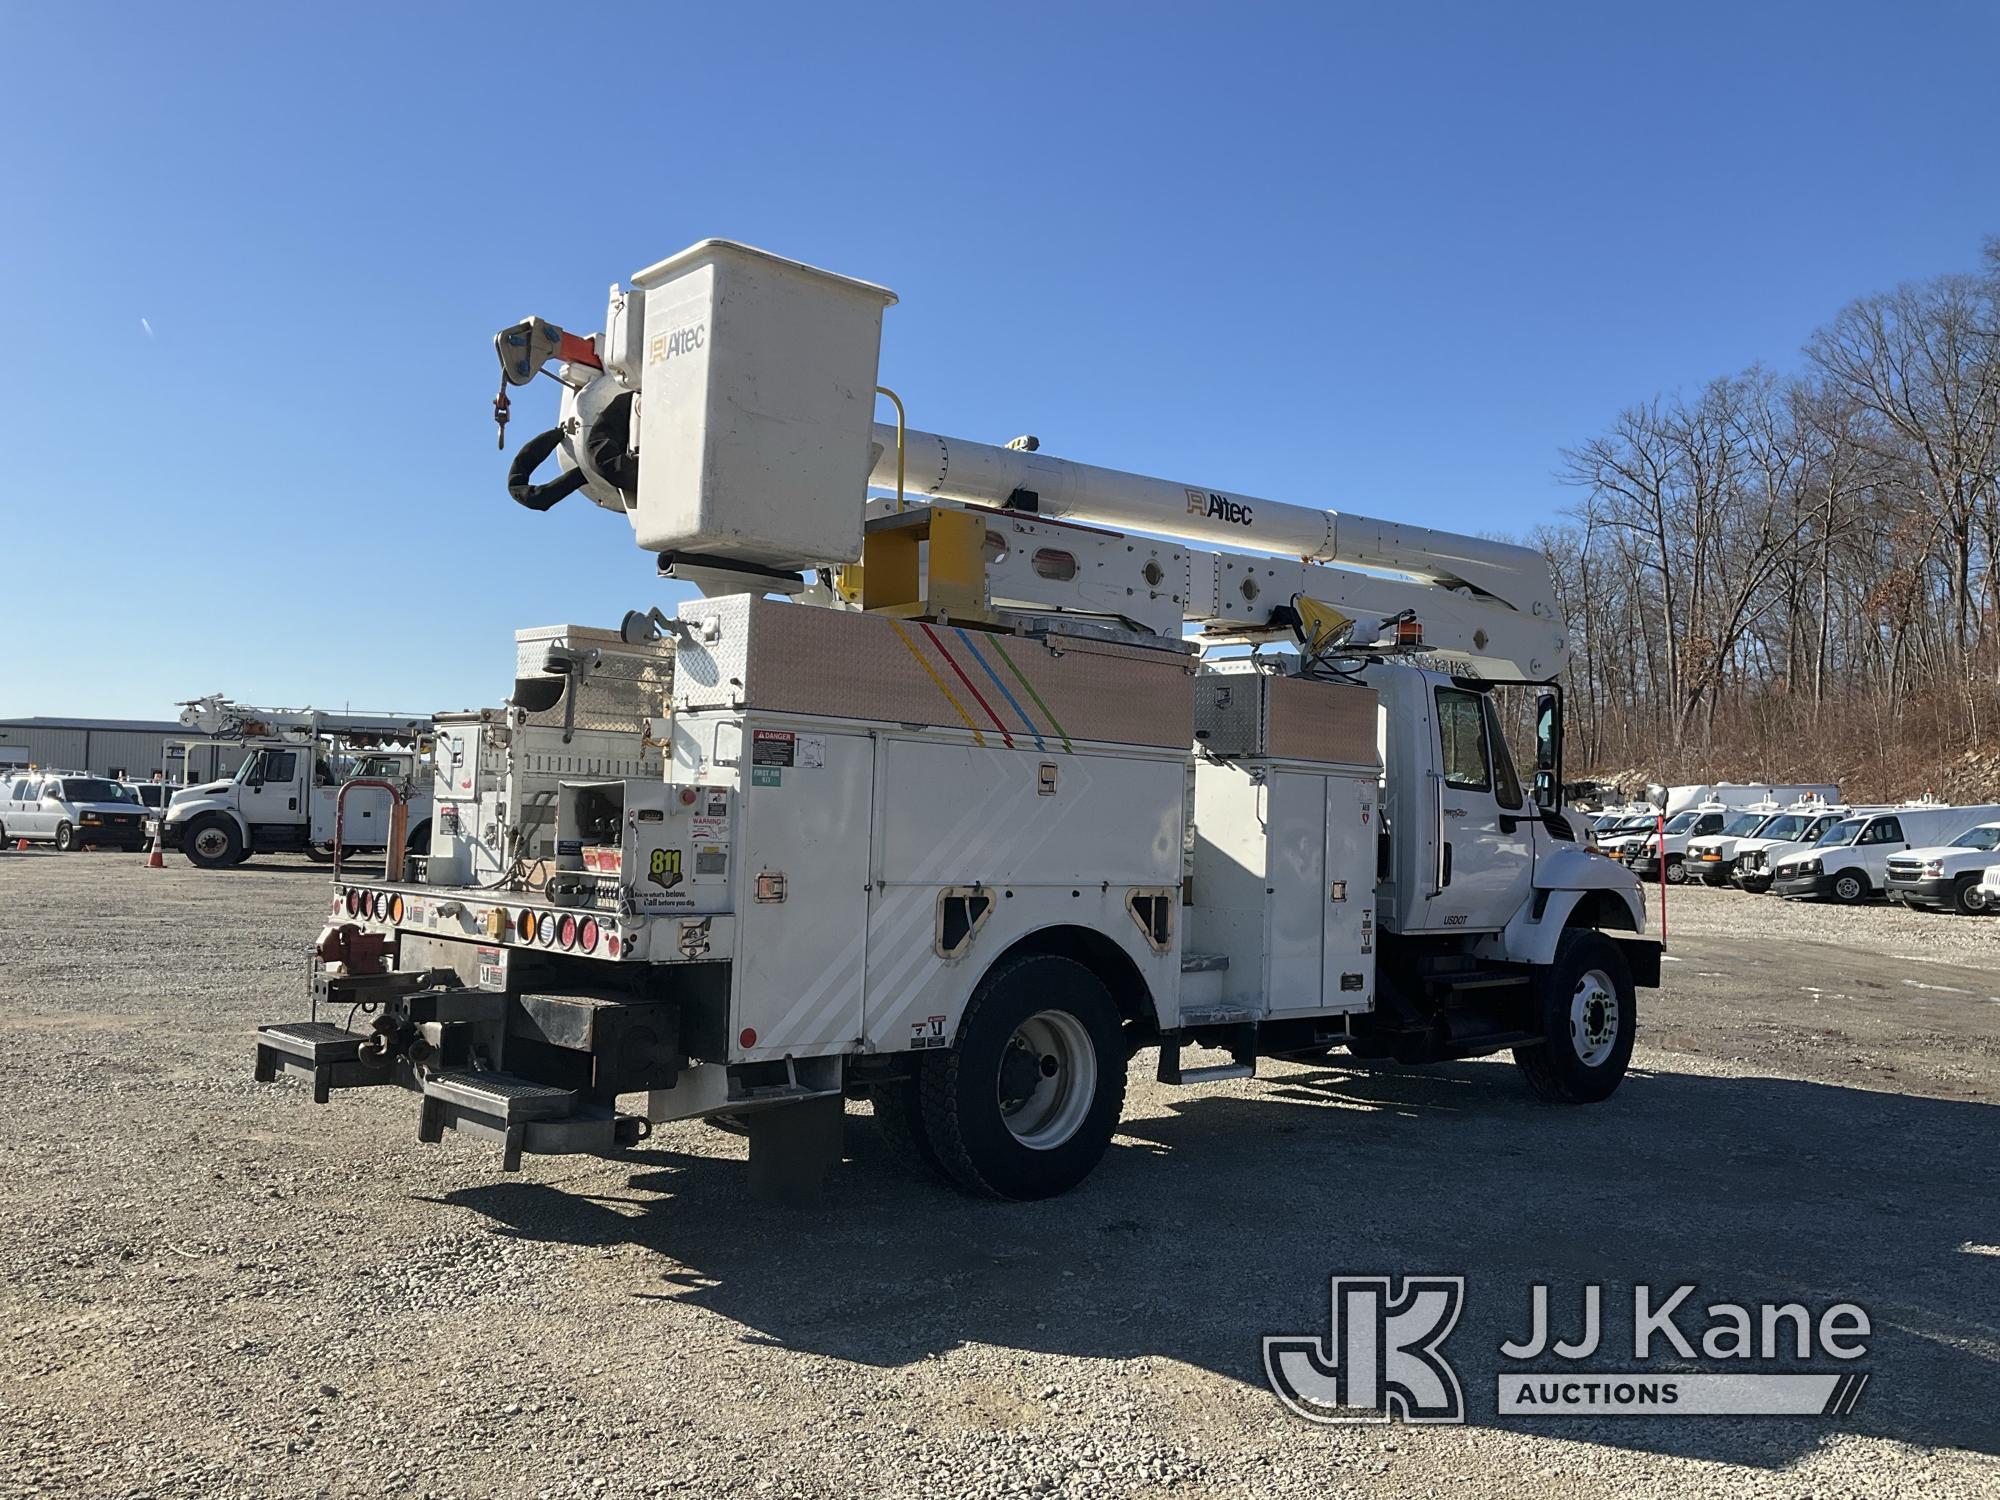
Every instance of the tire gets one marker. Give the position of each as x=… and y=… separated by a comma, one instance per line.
x=1676, y=872
x=1850, y=888
x=1965, y=897
x=320, y=854
x=899, y=1120
x=1588, y=1012
x=213, y=842
x=1065, y=1103
x=65, y=838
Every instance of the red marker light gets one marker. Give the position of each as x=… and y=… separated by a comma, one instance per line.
x=687, y=796
x=586, y=935
x=749, y=1036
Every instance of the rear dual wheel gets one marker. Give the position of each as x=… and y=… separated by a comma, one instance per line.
x=1025, y=1103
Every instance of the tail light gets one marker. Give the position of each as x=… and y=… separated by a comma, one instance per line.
x=353, y=903
x=395, y=908
x=566, y=932
x=525, y=926
x=586, y=935
x=381, y=906
x=545, y=929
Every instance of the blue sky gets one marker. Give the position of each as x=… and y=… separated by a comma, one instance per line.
x=1383, y=258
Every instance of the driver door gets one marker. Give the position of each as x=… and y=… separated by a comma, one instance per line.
x=1486, y=858
x=272, y=789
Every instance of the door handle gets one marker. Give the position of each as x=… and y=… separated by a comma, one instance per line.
x=1444, y=869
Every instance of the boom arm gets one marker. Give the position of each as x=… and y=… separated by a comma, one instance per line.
x=1489, y=606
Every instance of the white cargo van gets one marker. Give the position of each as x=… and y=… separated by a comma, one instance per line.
x=1947, y=876
x=1850, y=862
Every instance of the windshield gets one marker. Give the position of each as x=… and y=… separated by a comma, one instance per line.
x=1681, y=822
x=82, y=789
x=1844, y=832
x=1784, y=827
x=1748, y=824
x=1986, y=836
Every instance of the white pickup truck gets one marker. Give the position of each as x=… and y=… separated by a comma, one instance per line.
x=1948, y=877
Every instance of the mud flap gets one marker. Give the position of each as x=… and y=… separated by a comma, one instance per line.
x=791, y=1148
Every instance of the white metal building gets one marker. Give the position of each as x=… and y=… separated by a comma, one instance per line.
x=133, y=748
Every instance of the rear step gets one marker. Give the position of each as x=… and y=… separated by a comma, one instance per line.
x=327, y=1055
x=518, y=1112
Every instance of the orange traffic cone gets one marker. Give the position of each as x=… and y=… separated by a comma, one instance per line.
x=156, y=860
x=21, y=845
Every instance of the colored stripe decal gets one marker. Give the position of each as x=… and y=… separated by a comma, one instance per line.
x=1061, y=733
x=931, y=671
x=1012, y=703
x=959, y=671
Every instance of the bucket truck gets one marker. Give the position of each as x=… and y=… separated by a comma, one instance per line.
x=313, y=781
x=955, y=816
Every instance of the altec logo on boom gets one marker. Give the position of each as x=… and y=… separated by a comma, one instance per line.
x=1217, y=507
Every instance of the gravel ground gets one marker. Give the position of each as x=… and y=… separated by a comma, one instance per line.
x=212, y=1288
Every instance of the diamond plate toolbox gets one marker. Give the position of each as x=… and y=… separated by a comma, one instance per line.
x=1256, y=714
x=1044, y=693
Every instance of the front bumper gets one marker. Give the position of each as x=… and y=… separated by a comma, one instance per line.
x=1936, y=890
x=112, y=835
x=1803, y=887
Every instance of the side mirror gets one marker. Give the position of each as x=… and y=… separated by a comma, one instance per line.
x=1549, y=749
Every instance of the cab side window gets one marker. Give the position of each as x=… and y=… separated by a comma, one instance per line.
x=1462, y=736
x=1710, y=823
x=1883, y=831
x=278, y=765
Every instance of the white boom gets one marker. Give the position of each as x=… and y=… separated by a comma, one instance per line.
x=1487, y=606
x=217, y=716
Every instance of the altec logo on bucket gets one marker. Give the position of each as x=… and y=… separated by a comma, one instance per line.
x=1384, y=1357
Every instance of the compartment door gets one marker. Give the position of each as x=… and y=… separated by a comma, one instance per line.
x=1294, y=920
x=1353, y=819
x=804, y=815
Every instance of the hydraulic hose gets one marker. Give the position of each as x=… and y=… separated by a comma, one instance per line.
x=520, y=483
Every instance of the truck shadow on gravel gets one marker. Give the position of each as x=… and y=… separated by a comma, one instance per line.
x=1221, y=1220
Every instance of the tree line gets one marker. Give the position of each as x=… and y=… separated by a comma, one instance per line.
x=1798, y=575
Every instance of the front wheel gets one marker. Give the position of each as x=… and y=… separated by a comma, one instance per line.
x=1676, y=872
x=1587, y=1012
x=1967, y=898
x=1024, y=1105
x=65, y=838
x=212, y=843
x=1850, y=888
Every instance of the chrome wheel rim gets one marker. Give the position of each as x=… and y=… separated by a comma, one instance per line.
x=1048, y=1076
x=1593, y=1018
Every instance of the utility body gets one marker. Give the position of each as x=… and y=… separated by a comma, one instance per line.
x=952, y=816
